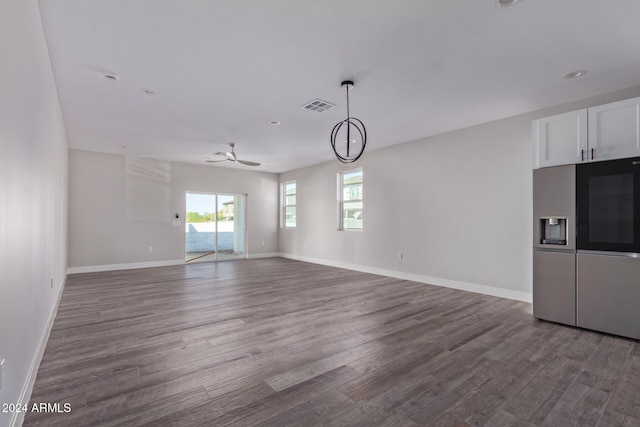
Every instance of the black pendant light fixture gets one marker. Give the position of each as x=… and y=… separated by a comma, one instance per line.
x=349, y=137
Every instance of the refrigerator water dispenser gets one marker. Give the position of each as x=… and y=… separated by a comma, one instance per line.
x=553, y=230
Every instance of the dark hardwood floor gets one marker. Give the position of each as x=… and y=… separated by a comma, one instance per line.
x=276, y=342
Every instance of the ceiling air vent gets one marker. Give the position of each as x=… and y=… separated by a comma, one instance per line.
x=318, y=105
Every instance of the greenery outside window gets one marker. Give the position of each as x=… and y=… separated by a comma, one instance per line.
x=289, y=204
x=350, y=196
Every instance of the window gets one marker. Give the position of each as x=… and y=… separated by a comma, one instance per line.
x=289, y=204
x=350, y=200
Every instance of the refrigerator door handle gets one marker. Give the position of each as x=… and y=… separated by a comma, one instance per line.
x=555, y=250
x=610, y=253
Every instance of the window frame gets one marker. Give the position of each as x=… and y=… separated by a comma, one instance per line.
x=342, y=201
x=285, y=205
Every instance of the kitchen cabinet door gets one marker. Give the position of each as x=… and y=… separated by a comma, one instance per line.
x=614, y=130
x=608, y=294
x=561, y=139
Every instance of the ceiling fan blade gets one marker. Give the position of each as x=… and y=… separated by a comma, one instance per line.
x=220, y=153
x=248, y=163
x=216, y=161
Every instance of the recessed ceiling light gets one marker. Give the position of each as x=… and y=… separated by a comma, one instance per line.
x=111, y=76
x=505, y=3
x=148, y=91
x=574, y=74
x=274, y=122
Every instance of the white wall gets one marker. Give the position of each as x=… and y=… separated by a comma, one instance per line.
x=116, y=211
x=458, y=206
x=33, y=197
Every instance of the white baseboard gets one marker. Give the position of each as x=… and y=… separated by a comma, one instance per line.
x=126, y=266
x=148, y=264
x=264, y=255
x=437, y=281
x=25, y=395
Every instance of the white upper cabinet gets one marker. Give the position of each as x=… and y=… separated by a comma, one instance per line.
x=614, y=130
x=610, y=131
x=561, y=139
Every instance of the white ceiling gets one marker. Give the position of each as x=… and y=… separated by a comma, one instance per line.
x=222, y=69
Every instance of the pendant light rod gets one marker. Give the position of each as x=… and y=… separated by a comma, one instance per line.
x=348, y=85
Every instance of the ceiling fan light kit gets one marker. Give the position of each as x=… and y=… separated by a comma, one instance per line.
x=354, y=134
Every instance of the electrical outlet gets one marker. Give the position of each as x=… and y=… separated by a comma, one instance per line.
x=150, y=248
x=1, y=369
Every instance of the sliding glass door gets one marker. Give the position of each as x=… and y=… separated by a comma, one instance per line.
x=231, y=224
x=215, y=227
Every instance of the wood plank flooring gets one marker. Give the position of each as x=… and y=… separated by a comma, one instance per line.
x=277, y=342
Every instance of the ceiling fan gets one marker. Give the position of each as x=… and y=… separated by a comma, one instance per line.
x=232, y=157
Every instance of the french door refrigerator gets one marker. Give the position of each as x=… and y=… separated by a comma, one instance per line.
x=586, y=245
